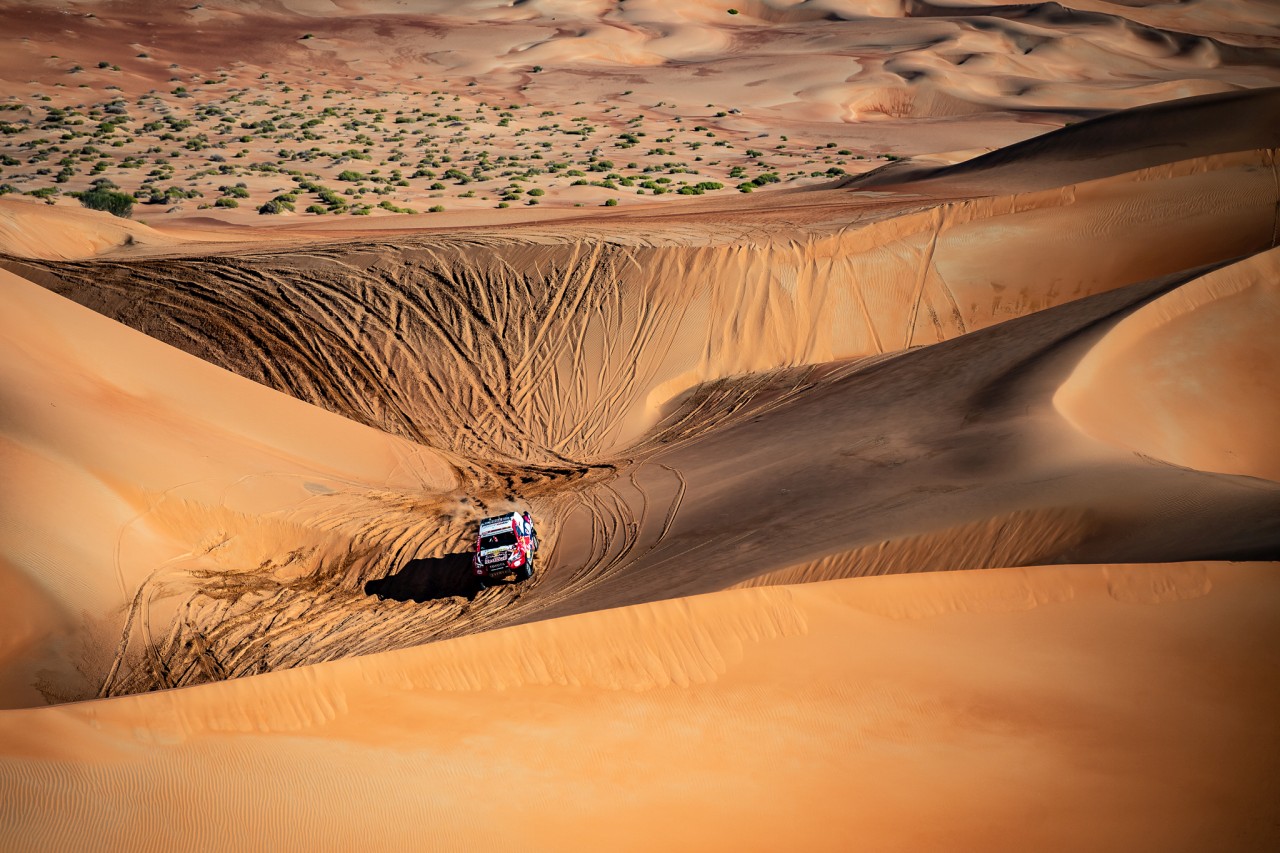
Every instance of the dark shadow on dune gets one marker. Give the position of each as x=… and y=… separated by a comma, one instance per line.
x=428, y=579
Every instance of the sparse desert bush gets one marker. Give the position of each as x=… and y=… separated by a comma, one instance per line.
x=113, y=202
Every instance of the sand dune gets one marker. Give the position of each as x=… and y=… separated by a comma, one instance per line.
x=33, y=230
x=594, y=338
x=1203, y=392
x=162, y=464
x=893, y=383
x=1178, y=131
x=1121, y=706
x=682, y=399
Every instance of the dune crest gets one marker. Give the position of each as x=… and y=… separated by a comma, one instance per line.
x=35, y=230
x=1191, y=379
x=892, y=384
x=127, y=430
x=916, y=697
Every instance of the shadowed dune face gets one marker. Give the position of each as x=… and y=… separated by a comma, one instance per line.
x=768, y=434
x=542, y=352
x=838, y=383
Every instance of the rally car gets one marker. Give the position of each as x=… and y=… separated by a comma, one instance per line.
x=505, y=545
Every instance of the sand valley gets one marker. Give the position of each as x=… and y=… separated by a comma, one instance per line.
x=895, y=386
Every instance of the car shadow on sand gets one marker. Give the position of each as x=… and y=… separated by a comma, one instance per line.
x=428, y=579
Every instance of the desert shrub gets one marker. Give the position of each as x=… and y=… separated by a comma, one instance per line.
x=611, y=202
x=226, y=202
x=101, y=198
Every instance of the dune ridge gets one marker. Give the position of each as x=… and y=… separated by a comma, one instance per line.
x=633, y=391
x=893, y=384
x=1202, y=396
x=598, y=337
x=903, y=673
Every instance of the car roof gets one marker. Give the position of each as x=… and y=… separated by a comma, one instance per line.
x=498, y=524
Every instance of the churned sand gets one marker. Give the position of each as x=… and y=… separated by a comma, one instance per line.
x=894, y=386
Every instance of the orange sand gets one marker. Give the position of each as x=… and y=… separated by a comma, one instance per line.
x=1054, y=708
x=791, y=450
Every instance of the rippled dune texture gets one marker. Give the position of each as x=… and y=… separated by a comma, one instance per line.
x=968, y=697
x=932, y=508
x=855, y=383
x=561, y=350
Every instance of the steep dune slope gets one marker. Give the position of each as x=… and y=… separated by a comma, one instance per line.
x=1194, y=377
x=952, y=456
x=562, y=350
x=1061, y=708
x=1143, y=137
x=945, y=457
x=127, y=463
x=686, y=402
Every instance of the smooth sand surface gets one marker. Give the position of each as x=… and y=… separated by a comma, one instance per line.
x=1202, y=392
x=1054, y=708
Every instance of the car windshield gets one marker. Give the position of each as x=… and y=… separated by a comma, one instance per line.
x=497, y=540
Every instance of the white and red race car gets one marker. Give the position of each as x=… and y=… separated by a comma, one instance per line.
x=505, y=545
